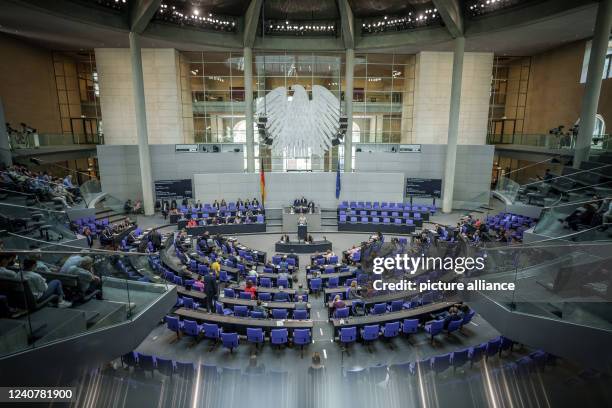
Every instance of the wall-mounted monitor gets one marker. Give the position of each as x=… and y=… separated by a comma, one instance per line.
x=186, y=148
x=173, y=189
x=420, y=187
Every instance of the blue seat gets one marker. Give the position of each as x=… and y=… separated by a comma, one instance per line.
x=348, y=335
x=241, y=311
x=460, y=358
x=477, y=353
x=224, y=277
x=453, y=326
x=265, y=296
x=219, y=309
x=282, y=282
x=173, y=323
x=265, y=282
x=410, y=326
x=211, y=331
x=257, y=315
x=246, y=295
x=441, y=363
x=396, y=306
x=379, y=308
x=279, y=337
x=190, y=303
x=191, y=328
x=230, y=341
x=434, y=328
x=370, y=333
x=391, y=330
x=301, y=337
x=165, y=366
x=341, y=313
x=315, y=285
x=300, y=314
x=333, y=259
x=333, y=282
x=255, y=335
x=229, y=292
x=279, y=313
x=281, y=297
x=329, y=269
x=493, y=347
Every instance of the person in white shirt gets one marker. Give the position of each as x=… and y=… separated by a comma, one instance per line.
x=6, y=260
x=39, y=286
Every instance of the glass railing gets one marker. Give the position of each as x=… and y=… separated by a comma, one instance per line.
x=90, y=190
x=36, y=140
x=549, y=141
x=576, y=221
x=552, y=278
x=30, y=226
x=51, y=296
x=508, y=188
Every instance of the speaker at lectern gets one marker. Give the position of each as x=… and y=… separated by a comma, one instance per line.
x=302, y=228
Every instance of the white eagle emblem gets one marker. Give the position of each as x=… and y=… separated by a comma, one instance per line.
x=298, y=124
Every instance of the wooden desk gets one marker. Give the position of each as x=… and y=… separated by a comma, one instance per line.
x=240, y=324
x=361, y=321
x=261, y=289
x=195, y=294
x=339, y=275
x=253, y=303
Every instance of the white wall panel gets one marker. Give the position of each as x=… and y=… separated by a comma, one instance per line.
x=283, y=188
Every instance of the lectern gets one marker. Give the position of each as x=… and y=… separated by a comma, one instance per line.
x=302, y=231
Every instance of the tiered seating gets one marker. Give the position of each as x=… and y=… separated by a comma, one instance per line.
x=510, y=221
x=207, y=212
x=384, y=213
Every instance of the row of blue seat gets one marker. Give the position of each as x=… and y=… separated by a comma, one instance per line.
x=255, y=335
x=277, y=313
x=368, y=205
x=343, y=219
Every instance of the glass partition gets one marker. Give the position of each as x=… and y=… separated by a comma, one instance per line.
x=507, y=188
x=90, y=190
x=553, y=278
x=576, y=221
x=46, y=296
x=28, y=227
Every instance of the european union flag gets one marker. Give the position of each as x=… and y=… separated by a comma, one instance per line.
x=338, y=184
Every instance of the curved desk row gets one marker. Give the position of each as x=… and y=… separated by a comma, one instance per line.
x=371, y=227
x=240, y=324
x=303, y=247
x=223, y=229
x=421, y=312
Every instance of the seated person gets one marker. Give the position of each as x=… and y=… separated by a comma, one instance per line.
x=216, y=205
x=309, y=239
x=81, y=266
x=338, y=303
x=253, y=272
x=260, y=308
x=311, y=207
x=300, y=305
x=249, y=288
x=192, y=223
x=255, y=202
x=39, y=286
x=354, y=291
x=6, y=260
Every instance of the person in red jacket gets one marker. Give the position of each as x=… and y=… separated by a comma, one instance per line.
x=250, y=289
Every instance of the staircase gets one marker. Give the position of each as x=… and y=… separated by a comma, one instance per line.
x=112, y=215
x=329, y=219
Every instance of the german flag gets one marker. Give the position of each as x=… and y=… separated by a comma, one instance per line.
x=262, y=182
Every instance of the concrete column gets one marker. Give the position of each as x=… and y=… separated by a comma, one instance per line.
x=590, y=100
x=248, y=108
x=348, y=100
x=448, y=184
x=5, y=152
x=141, y=125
